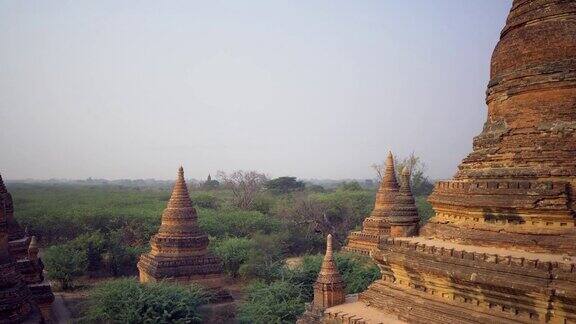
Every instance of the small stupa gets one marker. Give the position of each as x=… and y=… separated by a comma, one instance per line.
x=180, y=249
x=377, y=225
x=329, y=289
x=24, y=249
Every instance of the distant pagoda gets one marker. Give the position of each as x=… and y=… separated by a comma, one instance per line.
x=24, y=249
x=377, y=225
x=179, y=250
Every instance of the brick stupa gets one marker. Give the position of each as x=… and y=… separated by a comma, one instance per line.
x=329, y=288
x=377, y=225
x=403, y=215
x=501, y=247
x=179, y=250
x=24, y=249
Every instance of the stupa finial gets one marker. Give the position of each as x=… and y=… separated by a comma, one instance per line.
x=329, y=252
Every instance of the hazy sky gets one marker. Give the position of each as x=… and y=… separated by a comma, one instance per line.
x=314, y=89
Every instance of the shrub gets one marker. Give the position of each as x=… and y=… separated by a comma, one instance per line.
x=238, y=223
x=350, y=186
x=266, y=258
x=263, y=203
x=424, y=209
x=357, y=270
x=234, y=252
x=94, y=244
x=127, y=301
x=277, y=302
x=205, y=200
x=64, y=263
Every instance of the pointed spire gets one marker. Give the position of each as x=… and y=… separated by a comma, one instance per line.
x=329, y=253
x=387, y=191
x=389, y=179
x=180, y=197
x=328, y=272
x=406, y=180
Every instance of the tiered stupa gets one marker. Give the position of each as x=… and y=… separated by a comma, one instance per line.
x=24, y=249
x=501, y=247
x=179, y=250
x=403, y=216
x=377, y=225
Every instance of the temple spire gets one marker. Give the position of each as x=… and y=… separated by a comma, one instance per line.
x=180, y=197
x=389, y=178
x=377, y=225
x=328, y=265
x=405, y=186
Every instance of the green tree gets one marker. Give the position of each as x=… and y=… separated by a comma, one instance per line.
x=277, y=302
x=127, y=301
x=350, y=186
x=205, y=200
x=283, y=185
x=266, y=257
x=315, y=188
x=64, y=263
x=234, y=252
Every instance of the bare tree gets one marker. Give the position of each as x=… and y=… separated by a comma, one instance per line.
x=379, y=169
x=245, y=185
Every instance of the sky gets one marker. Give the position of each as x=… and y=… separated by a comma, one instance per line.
x=313, y=89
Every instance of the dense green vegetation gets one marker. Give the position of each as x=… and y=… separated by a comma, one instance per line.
x=99, y=231
x=127, y=301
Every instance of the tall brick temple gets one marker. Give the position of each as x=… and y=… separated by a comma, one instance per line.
x=501, y=247
x=23, y=248
x=180, y=249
